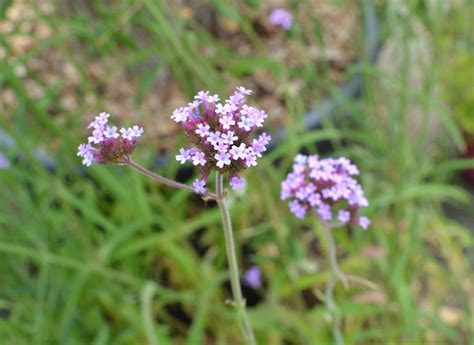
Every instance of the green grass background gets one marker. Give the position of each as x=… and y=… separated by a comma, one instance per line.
x=107, y=256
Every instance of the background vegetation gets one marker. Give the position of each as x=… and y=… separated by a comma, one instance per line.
x=105, y=256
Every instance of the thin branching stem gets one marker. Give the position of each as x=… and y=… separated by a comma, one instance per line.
x=239, y=302
x=167, y=181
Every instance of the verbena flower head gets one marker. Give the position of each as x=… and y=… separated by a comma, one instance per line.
x=108, y=144
x=221, y=134
x=281, y=17
x=327, y=186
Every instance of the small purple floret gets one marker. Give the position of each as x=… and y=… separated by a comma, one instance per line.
x=344, y=216
x=183, y=156
x=237, y=183
x=364, y=222
x=198, y=158
x=223, y=158
x=298, y=209
x=199, y=186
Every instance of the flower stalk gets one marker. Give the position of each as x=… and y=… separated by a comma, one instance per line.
x=167, y=181
x=219, y=197
x=336, y=275
x=232, y=262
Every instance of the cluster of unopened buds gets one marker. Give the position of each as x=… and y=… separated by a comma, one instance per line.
x=222, y=136
x=111, y=144
x=327, y=186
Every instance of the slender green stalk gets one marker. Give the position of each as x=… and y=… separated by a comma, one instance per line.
x=166, y=181
x=336, y=275
x=244, y=321
x=239, y=302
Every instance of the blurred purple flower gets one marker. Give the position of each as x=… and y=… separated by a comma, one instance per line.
x=326, y=185
x=4, y=162
x=364, y=222
x=281, y=17
x=253, y=277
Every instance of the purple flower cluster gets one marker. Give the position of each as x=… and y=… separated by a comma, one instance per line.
x=221, y=135
x=112, y=145
x=281, y=17
x=326, y=185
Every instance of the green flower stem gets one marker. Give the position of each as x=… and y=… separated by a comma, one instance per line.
x=166, y=181
x=336, y=275
x=244, y=321
x=239, y=302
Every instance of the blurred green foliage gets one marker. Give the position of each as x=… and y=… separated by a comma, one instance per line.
x=459, y=90
x=105, y=256
x=458, y=37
